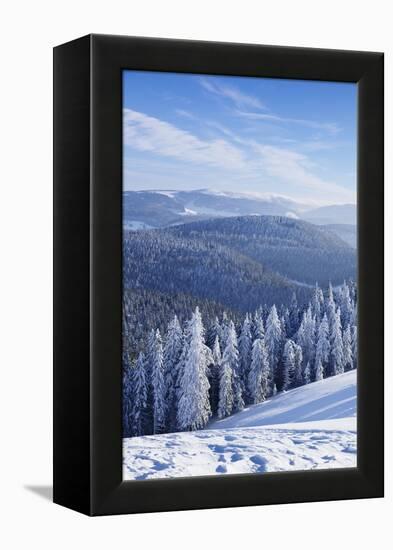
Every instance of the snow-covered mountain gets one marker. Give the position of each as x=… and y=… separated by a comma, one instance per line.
x=311, y=427
x=162, y=208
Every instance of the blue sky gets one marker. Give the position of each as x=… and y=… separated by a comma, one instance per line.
x=240, y=134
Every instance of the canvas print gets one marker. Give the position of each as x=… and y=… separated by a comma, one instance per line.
x=239, y=275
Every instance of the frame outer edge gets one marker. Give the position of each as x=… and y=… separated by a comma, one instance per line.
x=71, y=316
x=371, y=265
x=109, y=494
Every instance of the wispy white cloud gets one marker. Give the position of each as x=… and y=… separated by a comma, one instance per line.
x=232, y=157
x=146, y=133
x=240, y=99
x=330, y=127
x=296, y=169
x=311, y=145
x=185, y=114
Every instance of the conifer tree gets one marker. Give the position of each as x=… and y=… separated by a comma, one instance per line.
x=293, y=316
x=283, y=328
x=318, y=369
x=225, y=401
x=286, y=322
x=347, y=349
x=172, y=353
x=213, y=331
x=352, y=291
x=158, y=385
x=336, y=346
x=354, y=346
x=288, y=365
x=305, y=337
x=330, y=306
x=223, y=329
x=322, y=350
x=273, y=342
x=298, y=371
x=245, y=345
x=127, y=401
x=125, y=339
x=230, y=356
x=259, y=372
x=345, y=305
x=150, y=356
x=194, y=407
x=317, y=303
x=307, y=374
x=258, y=329
x=214, y=376
x=140, y=396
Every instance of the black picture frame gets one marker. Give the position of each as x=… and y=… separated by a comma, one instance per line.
x=88, y=274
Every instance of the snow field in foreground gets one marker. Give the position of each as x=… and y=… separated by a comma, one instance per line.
x=312, y=427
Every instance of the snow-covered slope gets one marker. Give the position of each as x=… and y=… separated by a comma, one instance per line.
x=332, y=399
x=312, y=427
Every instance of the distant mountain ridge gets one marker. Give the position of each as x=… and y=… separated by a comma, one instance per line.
x=165, y=208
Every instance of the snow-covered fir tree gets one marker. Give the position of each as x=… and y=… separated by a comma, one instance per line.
x=193, y=406
x=330, y=307
x=139, y=402
x=318, y=369
x=158, y=385
x=345, y=303
x=230, y=356
x=224, y=328
x=258, y=328
x=317, y=303
x=354, y=346
x=288, y=364
x=322, y=349
x=347, y=349
x=307, y=373
x=225, y=400
x=285, y=321
x=283, y=328
x=173, y=347
x=245, y=345
x=213, y=332
x=214, y=376
x=336, y=345
x=298, y=371
x=150, y=354
x=273, y=342
x=258, y=374
x=128, y=398
x=305, y=337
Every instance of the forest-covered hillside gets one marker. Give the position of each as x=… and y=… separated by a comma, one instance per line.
x=200, y=265
x=293, y=248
